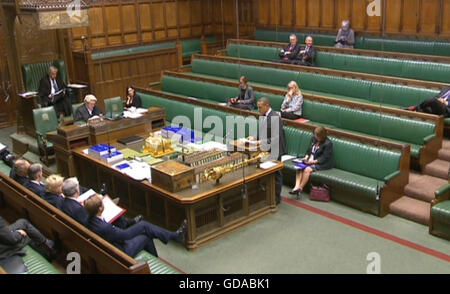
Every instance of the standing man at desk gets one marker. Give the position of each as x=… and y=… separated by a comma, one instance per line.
x=88, y=110
x=52, y=91
x=271, y=138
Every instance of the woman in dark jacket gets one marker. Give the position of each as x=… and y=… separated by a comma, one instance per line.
x=319, y=157
x=245, y=98
x=133, y=99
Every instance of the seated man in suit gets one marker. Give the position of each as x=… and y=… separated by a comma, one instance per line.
x=21, y=233
x=19, y=172
x=307, y=54
x=290, y=52
x=54, y=194
x=88, y=110
x=439, y=104
x=52, y=91
x=71, y=190
x=35, y=180
x=133, y=239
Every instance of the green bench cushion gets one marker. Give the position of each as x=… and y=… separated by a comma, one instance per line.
x=157, y=266
x=4, y=168
x=132, y=50
x=441, y=211
x=37, y=264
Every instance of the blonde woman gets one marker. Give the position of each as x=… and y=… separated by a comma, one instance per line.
x=54, y=194
x=293, y=102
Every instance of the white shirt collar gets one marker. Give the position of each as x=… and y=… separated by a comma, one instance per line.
x=268, y=111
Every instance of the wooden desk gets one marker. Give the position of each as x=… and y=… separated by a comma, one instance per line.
x=67, y=138
x=25, y=122
x=212, y=211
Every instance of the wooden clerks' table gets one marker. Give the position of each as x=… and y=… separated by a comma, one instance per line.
x=212, y=210
x=67, y=138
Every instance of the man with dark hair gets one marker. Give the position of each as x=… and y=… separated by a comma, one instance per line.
x=439, y=104
x=271, y=138
x=19, y=172
x=133, y=239
x=35, y=180
x=52, y=91
x=15, y=237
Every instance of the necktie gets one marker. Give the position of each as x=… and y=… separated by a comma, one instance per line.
x=54, y=85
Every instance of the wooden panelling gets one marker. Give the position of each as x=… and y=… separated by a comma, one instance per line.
x=398, y=17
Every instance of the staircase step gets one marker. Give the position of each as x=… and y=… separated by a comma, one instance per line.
x=438, y=168
x=422, y=187
x=446, y=144
x=411, y=209
x=444, y=154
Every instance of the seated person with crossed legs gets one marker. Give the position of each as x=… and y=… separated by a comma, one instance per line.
x=290, y=52
x=307, y=54
x=293, y=102
x=133, y=239
x=246, y=98
x=439, y=105
x=319, y=157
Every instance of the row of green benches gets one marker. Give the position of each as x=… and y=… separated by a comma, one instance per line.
x=411, y=69
x=368, y=175
x=97, y=255
x=421, y=135
x=429, y=47
x=352, y=181
x=365, y=91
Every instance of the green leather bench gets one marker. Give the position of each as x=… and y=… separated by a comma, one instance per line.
x=131, y=50
x=193, y=46
x=428, y=47
x=32, y=73
x=440, y=213
x=352, y=181
x=156, y=265
x=411, y=69
x=37, y=264
x=402, y=130
x=386, y=94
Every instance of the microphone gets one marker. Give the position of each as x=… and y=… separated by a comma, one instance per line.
x=103, y=189
x=244, y=184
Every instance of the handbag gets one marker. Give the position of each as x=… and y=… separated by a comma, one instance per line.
x=320, y=193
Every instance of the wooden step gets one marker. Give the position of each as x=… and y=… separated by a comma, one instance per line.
x=411, y=209
x=438, y=168
x=422, y=187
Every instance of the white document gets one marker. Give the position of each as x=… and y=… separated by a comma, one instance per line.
x=76, y=86
x=267, y=164
x=83, y=197
x=111, y=211
x=27, y=94
x=287, y=157
x=141, y=110
x=131, y=114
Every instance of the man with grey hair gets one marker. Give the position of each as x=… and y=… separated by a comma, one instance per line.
x=71, y=190
x=19, y=172
x=35, y=180
x=52, y=91
x=88, y=110
x=346, y=36
x=290, y=52
x=71, y=206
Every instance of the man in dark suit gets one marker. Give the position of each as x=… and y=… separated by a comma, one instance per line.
x=290, y=52
x=88, y=110
x=15, y=237
x=71, y=206
x=133, y=239
x=307, y=54
x=439, y=104
x=271, y=138
x=53, y=194
x=19, y=172
x=50, y=88
x=35, y=180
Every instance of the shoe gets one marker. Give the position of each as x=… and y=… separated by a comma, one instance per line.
x=295, y=192
x=50, y=249
x=135, y=220
x=181, y=232
x=410, y=108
